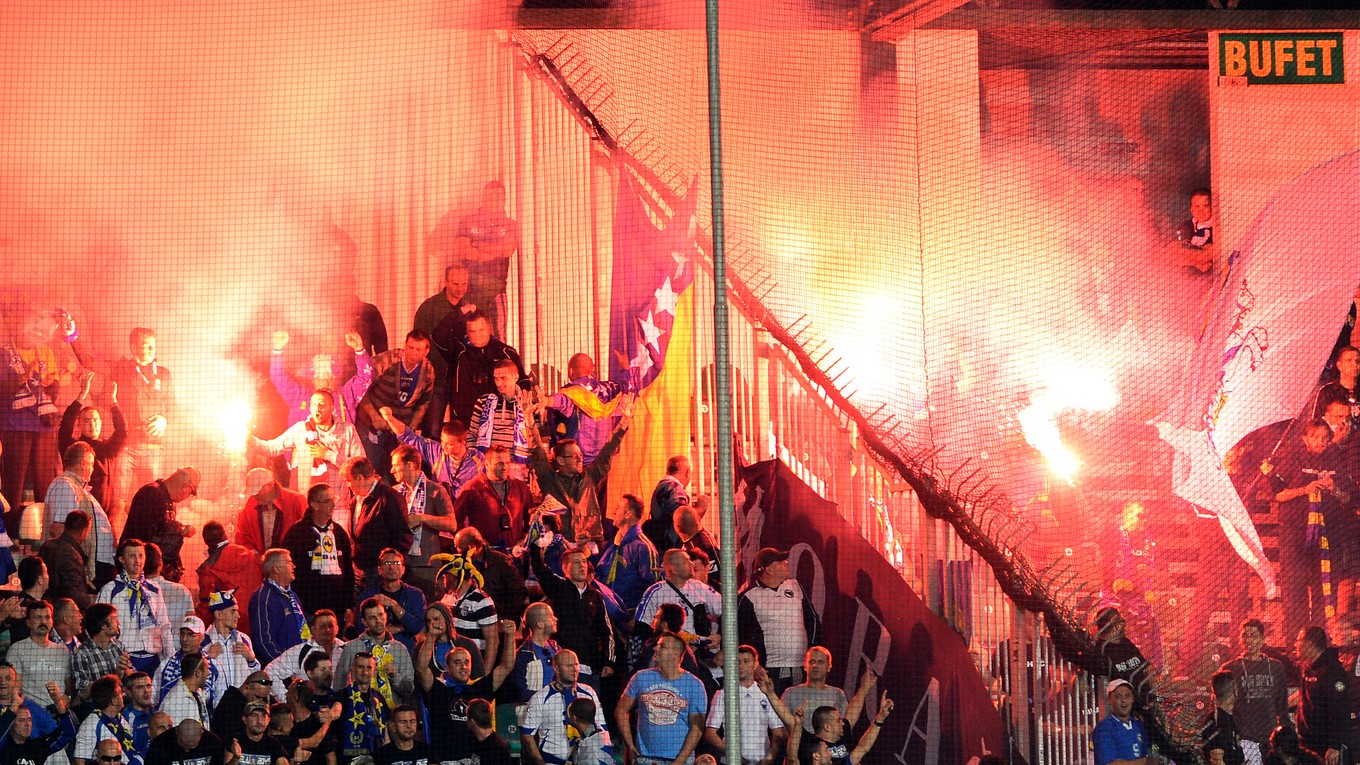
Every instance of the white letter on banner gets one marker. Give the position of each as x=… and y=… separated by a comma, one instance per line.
x=817, y=592
x=878, y=662
x=931, y=734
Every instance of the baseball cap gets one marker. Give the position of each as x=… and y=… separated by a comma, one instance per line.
x=1114, y=684
x=256, y=706
x=194, y=625
x=768, y=556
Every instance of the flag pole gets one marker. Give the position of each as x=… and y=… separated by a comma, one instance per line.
x=727, y=560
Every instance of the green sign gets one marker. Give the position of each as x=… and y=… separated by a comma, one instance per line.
x=1292, y=58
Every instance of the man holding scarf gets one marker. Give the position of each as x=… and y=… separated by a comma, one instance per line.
x=147, y=633
x=280, y=623
x=429, y=513
x=363, y=715
x=394, y=677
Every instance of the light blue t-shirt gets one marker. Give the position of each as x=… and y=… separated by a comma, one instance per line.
x=664, y=707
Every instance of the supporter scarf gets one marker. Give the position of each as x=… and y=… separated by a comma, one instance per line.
x=1317, y=536
x=364, y=728
x=120, y=731
x=298, y=613
x=493, y=402
x=568, y=696
x=325, y=556
x=382, y=657
x=415, y=505
x=137, y=598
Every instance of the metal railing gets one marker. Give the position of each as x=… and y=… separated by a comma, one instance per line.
x=779, y=412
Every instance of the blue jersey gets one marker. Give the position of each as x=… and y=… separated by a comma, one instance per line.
x=1116, y=740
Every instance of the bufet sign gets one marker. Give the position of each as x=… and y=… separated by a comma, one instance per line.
x=1288, y=58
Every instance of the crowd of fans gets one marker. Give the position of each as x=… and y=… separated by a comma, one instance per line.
x=433, y=562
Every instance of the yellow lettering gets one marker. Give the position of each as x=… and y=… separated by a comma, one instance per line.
x=1234, y=58
x=1305, y=58
x=1325, y=48
x=1260, y=58
x=1284, y=53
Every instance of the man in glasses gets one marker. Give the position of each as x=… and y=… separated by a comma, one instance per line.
x=151, y=516
x=404, y=603
x=228, y=718
x=573, y=484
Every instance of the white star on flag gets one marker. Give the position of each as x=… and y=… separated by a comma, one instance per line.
x=650, y=332
x=666, y=298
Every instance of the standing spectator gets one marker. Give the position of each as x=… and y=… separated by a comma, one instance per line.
x=702, y=604
x=104, y=723
x=67, y=623
x=179, y=602
x=317, y=447
x=669, y=494
x=671, y=704
x=137, y=711
x=82, y=422
x=439, y=630
x=405, y=605
x=22, y=744
x=394, y=675
x=29, y=381
x=151, y=517
x=33, y=584
x=325, y=580
x=39, y=661
x=269, y=511
x=280, y=623
x=297, y=395
x=1342, y=390
x=471, y=360
x=150, y=401
x=830, y=741
x=447, y=697
x=489, y=747
x=584, y=626
x=253, y=743
x=629, y=564
x=545, y=733
x=1262, y=694
x=66, y=562
x=1325, y=717
x=585, y=409
x=534, y=659
x=695, y=540
x=494, y=503
x=762, y=732
x=102, y=654
x=231, y=706
x=501, y=579
x=1120, y=736
x=379, y=518
x=69, y=491
x=12, y=698
x=573, y=484
x=191, y=632
x=499, y=419
x=229, y=567
x=403, y=379
x=474, y=614
x=291, y=665
x=815, y=692
x=775, y=617
x=146, y=632
x=405, y=748
x=185, y=700
x=592, y=741
x=231, y=651
x=484, y=241
x=449, y=460
x=429, y=515
x=364, y=711
x=187, y=742
x=1219, y=732
x=444, y=315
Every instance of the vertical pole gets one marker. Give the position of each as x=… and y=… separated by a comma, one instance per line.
x=723, y=395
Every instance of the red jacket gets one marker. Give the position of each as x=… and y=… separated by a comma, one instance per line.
x=249, y=531
x=236, y=568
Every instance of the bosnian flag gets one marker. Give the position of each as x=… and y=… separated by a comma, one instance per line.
x=1271, y=326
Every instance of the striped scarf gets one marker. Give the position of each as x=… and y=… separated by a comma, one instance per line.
x=492, y=402
x=1317, y=537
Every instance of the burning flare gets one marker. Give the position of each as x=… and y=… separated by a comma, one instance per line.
x=1066, y=388
x=236, y=425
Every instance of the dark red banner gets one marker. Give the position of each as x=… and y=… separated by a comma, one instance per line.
x=869, y=616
